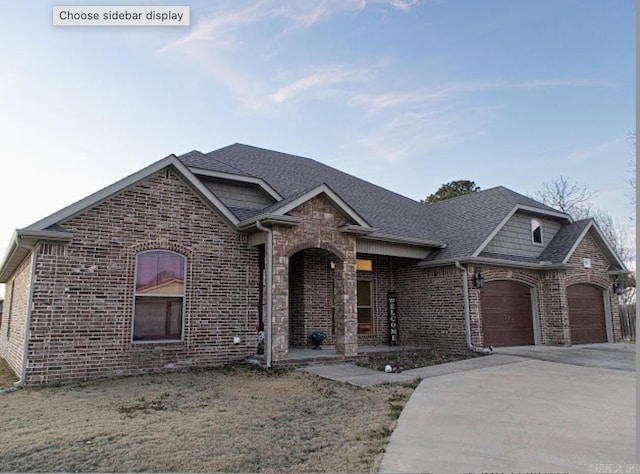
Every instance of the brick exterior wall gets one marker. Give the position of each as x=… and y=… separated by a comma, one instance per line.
x=83, y=296
x=14, y=317
x=310, y=295
x=431, y=307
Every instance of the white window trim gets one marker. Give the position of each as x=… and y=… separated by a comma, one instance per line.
x=135, y=295
x=533, y=228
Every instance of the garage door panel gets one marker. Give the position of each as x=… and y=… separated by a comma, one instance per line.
x=507, y=319
x=586, y=314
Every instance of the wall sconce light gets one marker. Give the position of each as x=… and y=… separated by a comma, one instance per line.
x=478, y=279
x=618, y=286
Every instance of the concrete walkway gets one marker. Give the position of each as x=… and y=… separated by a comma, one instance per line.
x=364, y=377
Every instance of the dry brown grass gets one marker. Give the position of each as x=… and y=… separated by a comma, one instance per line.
x=233, y=419
x=7, y=375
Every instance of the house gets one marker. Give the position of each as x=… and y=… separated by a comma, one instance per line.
x=182, y=264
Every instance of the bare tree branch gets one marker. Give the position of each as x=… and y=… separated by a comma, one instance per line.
x=569, y=197
x=632, y=171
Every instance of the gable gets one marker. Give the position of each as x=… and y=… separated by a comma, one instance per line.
x=594, y=240
x=238, y=195
x=163, y=194
x=515, y=237
x=589, y=249
x=321, y=210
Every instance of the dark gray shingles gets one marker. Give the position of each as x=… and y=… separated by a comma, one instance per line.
x=511, y=258
x=195, y=159
x=463, y=223
x=564, y=240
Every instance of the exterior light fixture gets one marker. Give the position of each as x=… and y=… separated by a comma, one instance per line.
x=478, y=279
x=618, y=286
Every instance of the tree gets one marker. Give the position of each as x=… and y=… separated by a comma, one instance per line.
x=452, y=189
x=569, y=197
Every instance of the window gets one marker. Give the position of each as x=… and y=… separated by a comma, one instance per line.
x=536, y=231
x=365, y=307
x=362, y=265
x=159, y=296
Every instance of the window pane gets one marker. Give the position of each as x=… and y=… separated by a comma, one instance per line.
x=364, y=265
x=364, y=293
x=157, y=318
x=537, y=235
x=365, y=321
x=160, y=273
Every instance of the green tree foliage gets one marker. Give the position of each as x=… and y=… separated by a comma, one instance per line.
x=452, y=189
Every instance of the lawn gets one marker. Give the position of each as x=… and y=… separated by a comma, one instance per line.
x=232, y=419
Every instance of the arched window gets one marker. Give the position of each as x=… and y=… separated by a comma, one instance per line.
x=159, y=296
x=536, y=231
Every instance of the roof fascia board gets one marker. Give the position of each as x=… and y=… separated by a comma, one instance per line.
x=9, y=254
x=603, y=240
x=495, y=261
x=356, y=229
x=544, y=212
x=49, y=235
x=238, y=177
x=270, y=219
x=105, y=193
x=404, y=240
x=337, y=200
x=16, y=253
x=516, y=208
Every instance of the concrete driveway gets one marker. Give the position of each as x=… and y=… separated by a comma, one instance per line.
x=556, y=409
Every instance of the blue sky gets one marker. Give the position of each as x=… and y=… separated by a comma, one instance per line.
x=406, y=94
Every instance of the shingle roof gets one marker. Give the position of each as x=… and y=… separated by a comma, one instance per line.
x=463, y=223
x=563, y=241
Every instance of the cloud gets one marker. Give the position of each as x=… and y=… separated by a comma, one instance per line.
x=374, y=103
x=220, y=46
x=319, y=80
x=598, y=151
x=559, y=83
x=220, y=27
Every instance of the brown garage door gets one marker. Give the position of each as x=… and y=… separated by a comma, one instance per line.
x=586, y=314
x=506, y=314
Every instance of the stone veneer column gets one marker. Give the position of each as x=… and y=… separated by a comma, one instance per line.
x=346, y=320
x=280, y=304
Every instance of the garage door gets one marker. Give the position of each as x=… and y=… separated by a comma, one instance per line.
x=586, y=314
x=507, y=319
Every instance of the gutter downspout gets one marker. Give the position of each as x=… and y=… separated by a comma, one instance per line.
x=268, y=281
x=467, y=316
x=27, y=329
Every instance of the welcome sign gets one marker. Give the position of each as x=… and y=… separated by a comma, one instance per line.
x=392, y=312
